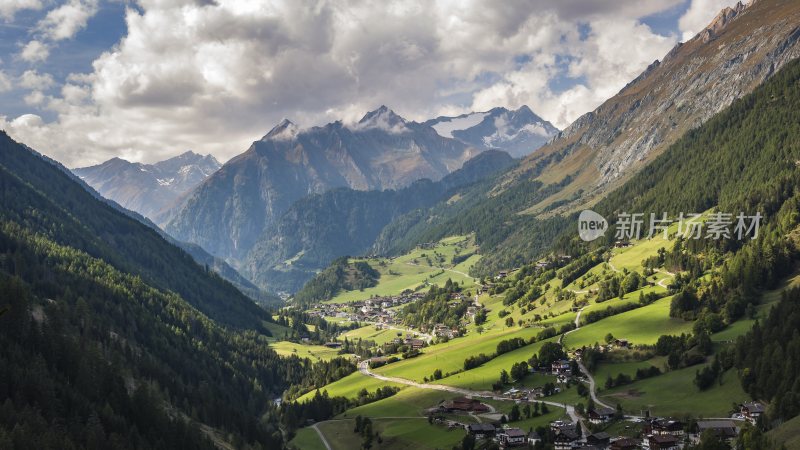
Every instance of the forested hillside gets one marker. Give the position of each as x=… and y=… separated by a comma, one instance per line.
x=340, y=275
x=112, y=338
x=41, y=198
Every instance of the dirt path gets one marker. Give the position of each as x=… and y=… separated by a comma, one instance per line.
x=321, y=436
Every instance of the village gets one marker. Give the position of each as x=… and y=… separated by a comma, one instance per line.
x=654, y=433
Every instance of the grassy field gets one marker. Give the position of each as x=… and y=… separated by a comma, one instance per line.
x=395, y=434
x=350, y=385
x=410, y=402
x=639, y=326
x=369, y=333
x=674, y=394
x=788, y=434
x=307, y=439
x=604, y=370
x=449, y=356
x=313, y=352
x=481, y=378
x=418, y=268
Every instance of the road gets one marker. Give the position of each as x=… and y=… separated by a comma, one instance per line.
x=364, y=369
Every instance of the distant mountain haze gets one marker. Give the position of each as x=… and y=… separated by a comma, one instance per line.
x=148, y=188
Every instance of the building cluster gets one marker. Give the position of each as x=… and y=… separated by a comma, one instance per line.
x=657, y=434
x=380, y=310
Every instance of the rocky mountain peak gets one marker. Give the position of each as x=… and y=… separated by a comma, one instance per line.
x=284, y=130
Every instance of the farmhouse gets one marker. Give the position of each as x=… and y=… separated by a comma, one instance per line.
x=534, y=438
x=561, y=367
x=601, y=415
x=600, y=439
x=753, y=410
x=661, y=442
x=564, y=438
x=511, y=437
x=723, y=429
x=664, y=427
x=625, y=444
x=481, y=430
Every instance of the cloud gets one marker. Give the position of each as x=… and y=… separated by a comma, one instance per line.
x=699, y=15
x=214, y=76
x=5, y=82
x=66, y=20
x=9, y=8
x=35, y=51
x=31, y=79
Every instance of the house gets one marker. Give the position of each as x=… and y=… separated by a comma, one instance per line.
x=661, y=442
x=481, y=430
x=511, y=437
x=665, y=427
x=534, y=438
x=723, y=429
x=625, y=444
x=562, y=367
x=753, y=410
x=333, y=344
x=621, y=343
x=601, y=415
x=557, y=425
x=464, y=404
x=565, y=437
x=415, y=344
x=600, y=439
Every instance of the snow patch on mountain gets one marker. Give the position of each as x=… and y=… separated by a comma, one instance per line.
x=447, y=126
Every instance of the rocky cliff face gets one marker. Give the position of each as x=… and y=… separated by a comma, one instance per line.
x=229, y=211
x=740, y=49
x=148, y=188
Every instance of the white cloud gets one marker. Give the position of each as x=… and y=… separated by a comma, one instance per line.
x=35, y=51
x=5, y=82
x=217, y=75
x=33, y=80
x=34, y=98
x=699, y=15
x=9, y=8
x=66, y=20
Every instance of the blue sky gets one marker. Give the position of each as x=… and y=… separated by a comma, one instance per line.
x=214, y=76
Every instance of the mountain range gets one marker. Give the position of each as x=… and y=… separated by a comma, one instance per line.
x=319, y=228
x=148, y=188
x=229, y=212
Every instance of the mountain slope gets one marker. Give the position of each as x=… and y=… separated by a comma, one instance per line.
x=111, y=337
x=740, y=49
x=319, y=228
x=515, y=219
x=148, y=188
x=42, y=198
x=517, y=132
x=229, y=211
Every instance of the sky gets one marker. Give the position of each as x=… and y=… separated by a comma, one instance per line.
x=83, y=81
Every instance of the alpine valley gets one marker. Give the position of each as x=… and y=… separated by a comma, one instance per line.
x=386, y=283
